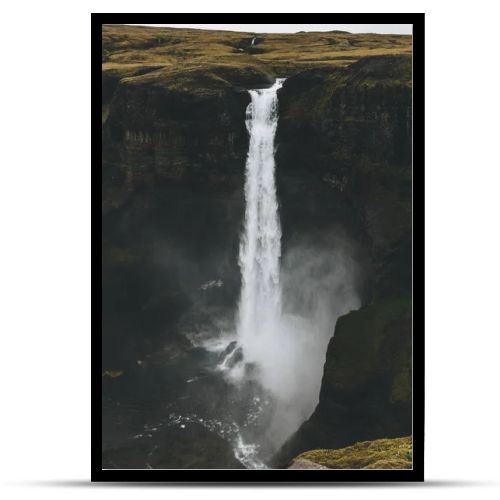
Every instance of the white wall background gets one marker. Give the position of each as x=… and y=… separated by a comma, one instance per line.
x=45, y=249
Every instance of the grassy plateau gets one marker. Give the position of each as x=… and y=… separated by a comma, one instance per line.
x=154, y=55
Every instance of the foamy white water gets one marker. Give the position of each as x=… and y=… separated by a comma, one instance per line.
x=247, y=454
x=260, y=248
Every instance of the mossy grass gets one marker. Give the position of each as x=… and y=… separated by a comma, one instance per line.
x=393, y=453
x=129, y=51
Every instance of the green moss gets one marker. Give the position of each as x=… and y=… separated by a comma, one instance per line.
x=393, y=453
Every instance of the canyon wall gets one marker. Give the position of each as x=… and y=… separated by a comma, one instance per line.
x=350, y=129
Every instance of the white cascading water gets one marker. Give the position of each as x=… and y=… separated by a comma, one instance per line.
x=287, y=310
x=260, y=248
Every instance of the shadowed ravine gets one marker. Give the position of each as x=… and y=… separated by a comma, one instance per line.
x=254, y=384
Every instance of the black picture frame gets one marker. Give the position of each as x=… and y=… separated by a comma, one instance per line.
x=282, y=476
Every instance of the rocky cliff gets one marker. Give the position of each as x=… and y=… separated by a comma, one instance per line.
x=355, y=137
x=347, y=133
x=366, y=386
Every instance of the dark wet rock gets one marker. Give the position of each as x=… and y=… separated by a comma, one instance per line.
x=231, y=355
x=235, y=357
x=352, y=164
x=182, y=446
x=228, y=350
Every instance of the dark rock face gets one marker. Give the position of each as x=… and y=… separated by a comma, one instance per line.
x=346, y=133
x=173, y=172
x=159, y=248
x=155, y=135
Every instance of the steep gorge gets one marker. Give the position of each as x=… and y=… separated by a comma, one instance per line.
x=174, y=149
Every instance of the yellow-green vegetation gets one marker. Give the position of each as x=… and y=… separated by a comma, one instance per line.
x=132, y=51
x=393, y=453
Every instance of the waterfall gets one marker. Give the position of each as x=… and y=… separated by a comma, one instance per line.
x=287, y=310
x=252, y=43
x=260, y=247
